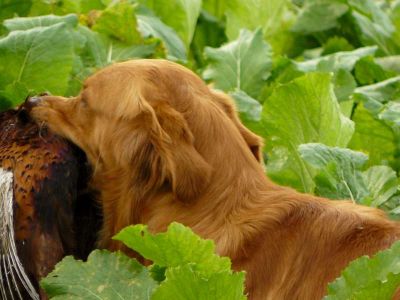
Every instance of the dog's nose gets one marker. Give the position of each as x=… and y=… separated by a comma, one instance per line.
x=25, y=108
x=31, y=102
x=34, y=100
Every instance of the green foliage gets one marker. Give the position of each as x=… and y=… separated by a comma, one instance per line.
x=300, y=71
x=373, y=137
x=253, y=14
x=319, y=16
x=339, y=175
x=25, y=68
x=105, y=275
x=151, y=26
x=119, y=21
x=302, y=111
x=178, y=246
x=369, y=278
x=243, y=64
x=179, y=14
x=185, y=267
x=338, y=171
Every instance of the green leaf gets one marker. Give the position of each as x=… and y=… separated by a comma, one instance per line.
x=367, y=71
x=209, y=32
x=382, y=183
x=105, y=275
x=248, y=107
x=375, y=94
x=344, y=84
x=100, y=51
x=336, y=44
x=150, y=25
x=11, y=8
x=391, y=114
x=253, y=14
x=183, y=283
x=176, y=247
x=27, y=65
x=338, y=175
x=319, y=15
x=340, y=60
x=372, y=137
x=119, y=21
x=389, y=63
x=302, y=111
x=179, y=14
x=215, y=7
x=57, y=7
x=374, y=25
x=42, y=21
x=369, y=278
x=243, y=64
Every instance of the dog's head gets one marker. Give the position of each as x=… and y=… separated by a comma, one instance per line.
x=154, y=117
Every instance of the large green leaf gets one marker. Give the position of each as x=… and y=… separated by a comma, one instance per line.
x=344, y=84
x=243, y=64
x=186, y=267
x=183, y=283
x=179, y=14
x=175, y=247
x=42, y=21
x=45, y=7
x=210, y=32
x=252, y=14
x=382, y=183
x=390, y=63
x=369, y=278
x=340, y=60
x=338, y=171
x=100, y=51
x=105, y=275
x=319, y=15
x=215, y=7
x=150, y=25
x=249, y=108
x=374, y=25
x=192, y=269
x=302, y=111
x=336, y=44
x=339, y=175
x=373, y=137
x=382, y=91
x=119, y=21
x=27, y=65
x=375, y=94
x=391, y=114
x=340, y=63
x=367, y=71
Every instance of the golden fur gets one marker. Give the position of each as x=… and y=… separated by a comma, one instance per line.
x=165, y=147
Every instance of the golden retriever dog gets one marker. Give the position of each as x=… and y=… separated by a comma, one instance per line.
x=165, y=147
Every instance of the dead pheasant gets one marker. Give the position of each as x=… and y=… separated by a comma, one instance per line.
x=45, y=209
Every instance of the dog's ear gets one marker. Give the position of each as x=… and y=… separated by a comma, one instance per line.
x=164, y=154
x=254, y=141
x=188, y=172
